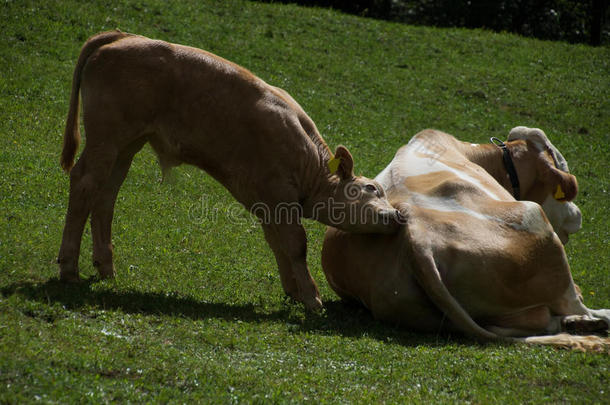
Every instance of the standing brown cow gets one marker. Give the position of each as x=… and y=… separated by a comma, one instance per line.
x=197, y=108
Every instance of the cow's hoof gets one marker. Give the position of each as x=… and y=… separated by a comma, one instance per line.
x=69, y=277
x=107, y=274
x=584, y=325
x=68, y=270
x=314, y=304
x=105, y=270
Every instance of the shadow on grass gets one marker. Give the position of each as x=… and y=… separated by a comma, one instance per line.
x=339, y=317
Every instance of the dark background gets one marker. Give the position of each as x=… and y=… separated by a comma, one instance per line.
x=575, y=21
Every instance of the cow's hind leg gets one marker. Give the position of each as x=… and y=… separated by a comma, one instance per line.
x=583, y=325
x=103, y=209
x=86, y=180
x=524, y=322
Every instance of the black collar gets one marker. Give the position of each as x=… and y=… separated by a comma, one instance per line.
x=509, y=166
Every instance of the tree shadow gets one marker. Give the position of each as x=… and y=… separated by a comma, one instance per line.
x=340, y=318
x=584, y=22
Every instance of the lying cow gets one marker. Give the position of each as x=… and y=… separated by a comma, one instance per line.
x=471, y=258
x=197, y=108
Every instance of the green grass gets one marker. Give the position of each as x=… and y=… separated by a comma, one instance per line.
x=197, y=312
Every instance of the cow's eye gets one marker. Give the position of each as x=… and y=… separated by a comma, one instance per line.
x=372, y=189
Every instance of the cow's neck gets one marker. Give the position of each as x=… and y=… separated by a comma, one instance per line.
x=322, y=199
x=489, y=157
x=318, y=185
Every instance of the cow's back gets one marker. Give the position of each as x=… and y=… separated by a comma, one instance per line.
x=200, y=109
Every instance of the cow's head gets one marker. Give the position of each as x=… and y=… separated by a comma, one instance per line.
x=355, y=203
x=552, y=186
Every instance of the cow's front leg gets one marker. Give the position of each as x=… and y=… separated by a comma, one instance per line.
x=289, y=283
x=289, y=244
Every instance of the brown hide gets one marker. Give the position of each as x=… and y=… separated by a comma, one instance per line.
x=197, y=108
x=470, y=258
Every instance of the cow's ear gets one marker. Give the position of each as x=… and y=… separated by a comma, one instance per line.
x=564, y=185
x=345, y=170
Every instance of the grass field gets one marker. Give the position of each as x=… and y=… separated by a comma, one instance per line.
x=197, y=312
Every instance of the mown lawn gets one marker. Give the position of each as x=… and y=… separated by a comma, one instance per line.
x=197, y=312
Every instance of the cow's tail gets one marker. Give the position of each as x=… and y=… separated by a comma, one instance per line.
x=72, y=131
x=424, y=269
x=589, y=343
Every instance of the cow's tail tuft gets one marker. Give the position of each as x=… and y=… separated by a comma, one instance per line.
x=590, y=343
x=72, y=132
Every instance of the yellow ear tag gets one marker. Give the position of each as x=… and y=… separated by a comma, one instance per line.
x=559, y=193
x=333, y=164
